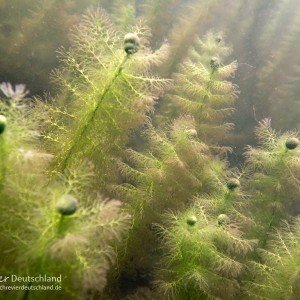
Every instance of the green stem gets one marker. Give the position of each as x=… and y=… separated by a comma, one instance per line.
x=82, y=130
x=208, y=85
x=274, y=216
x=228, y=198
x=3, y=157
x=268, y=229
x=61, y=226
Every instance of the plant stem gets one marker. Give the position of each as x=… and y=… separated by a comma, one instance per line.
x=3, y=156
x=82, y=129
x=208, y=86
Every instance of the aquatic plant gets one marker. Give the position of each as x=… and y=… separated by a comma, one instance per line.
x=223, y=220
x=202, y=260
x=274, y=177
x=231, y=202
x=233, y=183
x=202, y=90
x=78, y=246
x=16, y=94
x=17, y=131
x=61, y=226
x=67, y=205
x=292, y=143
x=107, y=91
x=31, y=31
x=277, y=276
x=173, y=168
x=187, y=224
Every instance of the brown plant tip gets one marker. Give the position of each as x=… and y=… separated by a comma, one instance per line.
x=292, y=143
x=191, y=221
x=131, y=43
x=214, y=63
x=67, y=205
x=223, y=219
x=233, y=183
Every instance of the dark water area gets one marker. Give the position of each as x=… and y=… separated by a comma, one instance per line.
x=149, y=149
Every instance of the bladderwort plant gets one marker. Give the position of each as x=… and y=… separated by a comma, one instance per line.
x=202, y=89
x=181, y=141
x=273, y=178
x=66, y=233
x=203, y=257
x=15, y=132
x=175, y=168
x=277, y=275
x=169, y=156
x=150, y=186
x=107, y=90
x=229, y=202
x=59, y=227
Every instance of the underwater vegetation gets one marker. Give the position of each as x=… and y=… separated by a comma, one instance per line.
x=108, y=75
x=127, y=178
x=202, y=88
x=274, y=173
x=277, y=276
x=55, y=226
x=204, y=258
